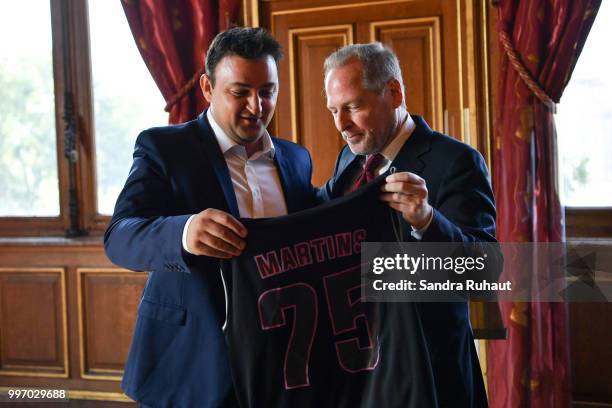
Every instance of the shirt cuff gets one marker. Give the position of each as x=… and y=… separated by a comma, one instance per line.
x=418, y=233
x=184, y=239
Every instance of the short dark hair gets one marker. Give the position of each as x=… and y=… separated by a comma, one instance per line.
x=246, y=42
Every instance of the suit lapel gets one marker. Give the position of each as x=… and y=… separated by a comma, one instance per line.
x=286, y=176
x=409, y=158
x=348, y=165
x=217, y=161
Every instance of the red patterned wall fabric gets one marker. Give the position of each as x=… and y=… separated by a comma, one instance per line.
x=172, y=37
x=531, y=368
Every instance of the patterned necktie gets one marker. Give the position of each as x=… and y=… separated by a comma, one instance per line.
x=369, y=170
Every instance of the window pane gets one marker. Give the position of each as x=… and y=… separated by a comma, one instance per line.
x=584, y=122
x=126, y=99
x=28, y=158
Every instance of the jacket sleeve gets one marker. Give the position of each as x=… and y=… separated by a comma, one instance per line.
x=464, y=212
x=312, y=191
x=144, y=234
x=464, y=208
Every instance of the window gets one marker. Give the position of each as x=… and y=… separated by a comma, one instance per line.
x=126, y=99
x=79, y=52
x=584, y=131
x=29, y=184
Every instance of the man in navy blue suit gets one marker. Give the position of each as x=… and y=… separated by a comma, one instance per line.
x=176, y=217
x=440, y=188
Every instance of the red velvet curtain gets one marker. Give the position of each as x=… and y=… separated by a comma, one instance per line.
x=540, y=43
x=173, y=37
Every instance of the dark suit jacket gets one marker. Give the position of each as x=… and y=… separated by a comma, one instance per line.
x=178, y=355
x=464, y=211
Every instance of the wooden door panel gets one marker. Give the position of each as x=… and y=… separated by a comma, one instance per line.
x=309, y=114
x=108, y=300
x=33, y=322
x=416, y=42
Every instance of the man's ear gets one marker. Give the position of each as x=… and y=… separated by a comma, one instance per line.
x=395, y=90
x=207, y=87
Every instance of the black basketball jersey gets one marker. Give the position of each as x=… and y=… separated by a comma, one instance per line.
x=297, y=331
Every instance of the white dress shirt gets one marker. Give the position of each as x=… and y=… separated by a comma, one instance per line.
x=255, y=179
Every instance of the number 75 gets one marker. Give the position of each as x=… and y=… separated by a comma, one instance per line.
x=344, y=310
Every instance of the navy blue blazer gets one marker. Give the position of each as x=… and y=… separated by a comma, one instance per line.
x=464, y=211
x=178, y=355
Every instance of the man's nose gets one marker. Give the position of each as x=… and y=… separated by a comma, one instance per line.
x=254, y=104
x=342, y=121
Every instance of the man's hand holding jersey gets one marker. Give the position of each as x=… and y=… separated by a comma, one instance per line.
x=215, y=233
x=407, y=193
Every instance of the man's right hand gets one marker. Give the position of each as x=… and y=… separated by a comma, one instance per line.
x=215, y=233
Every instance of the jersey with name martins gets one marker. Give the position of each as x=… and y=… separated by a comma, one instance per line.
x=299, y=334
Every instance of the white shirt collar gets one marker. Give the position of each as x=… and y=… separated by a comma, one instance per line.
x=227, y=144
x=393, y=148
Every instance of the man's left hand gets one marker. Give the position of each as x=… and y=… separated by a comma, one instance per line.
x=407, y=193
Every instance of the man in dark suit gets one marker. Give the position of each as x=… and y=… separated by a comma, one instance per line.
x=441, y=189
x=177, y=216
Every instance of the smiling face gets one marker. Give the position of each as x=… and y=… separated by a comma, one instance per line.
x=366, y=119
x=243, y=97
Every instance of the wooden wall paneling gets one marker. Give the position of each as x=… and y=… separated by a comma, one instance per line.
x=591, y=354
x=452, y=59
x=469, y=71
x=493, y=70
x=74, y=256
x=269, y=9
x=590, y=334
x=478, y=75
x=43, y=252
x=107, y=304
x=416, y=41
x=308, y=48
x=484, y=78
x=33, y=322
x=481, y=70
x=250, y=13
